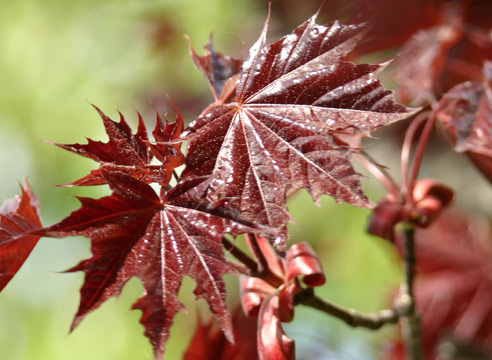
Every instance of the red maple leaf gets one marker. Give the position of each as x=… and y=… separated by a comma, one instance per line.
x=293, y=98
x=135, y=232
x=132, y=153
x=465, y=116
x=19, y=218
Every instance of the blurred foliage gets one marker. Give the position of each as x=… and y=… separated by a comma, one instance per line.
x=55, y=54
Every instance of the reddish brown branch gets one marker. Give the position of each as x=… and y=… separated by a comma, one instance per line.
x=350, y=316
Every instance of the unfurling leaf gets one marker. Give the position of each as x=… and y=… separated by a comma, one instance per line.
x=273, y=344
x=275, y=304
x=19, y=218
x=293, y=99
x=429, y=198
x=135, y=232
x=132, y=153
x=303, y=261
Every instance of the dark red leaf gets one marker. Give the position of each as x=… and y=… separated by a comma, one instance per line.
x=209, y=342
x=436, y=59
x=253, y=292
x=132, y=153
x=135, y=232
x=19, y=217
x=216, y=67
x=293, y=98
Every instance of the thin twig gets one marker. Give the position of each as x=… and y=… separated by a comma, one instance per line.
x=350, y=316
x=412, y=319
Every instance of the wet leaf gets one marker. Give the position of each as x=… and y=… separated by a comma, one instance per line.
x=132, y=153
x=293, y=98
x=135, y=232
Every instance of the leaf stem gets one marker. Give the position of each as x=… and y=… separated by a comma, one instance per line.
x=405, y=151
x=239, y=267
x=241, y=256
x=419, y=152
x=175, y=174
x=379, y=173
x=263, y=272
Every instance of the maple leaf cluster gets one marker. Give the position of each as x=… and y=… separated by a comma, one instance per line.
x=277, y=124
x=289, y=116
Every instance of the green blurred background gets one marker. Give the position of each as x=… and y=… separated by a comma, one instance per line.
x=58, y=55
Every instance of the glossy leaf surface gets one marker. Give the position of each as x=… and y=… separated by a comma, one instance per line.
x=135, y=232
x=132, y=153
x=293, y=97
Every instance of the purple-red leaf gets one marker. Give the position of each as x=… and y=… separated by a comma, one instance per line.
x=454, y=289
x=450, y=53
x=135, y=232
x=19, y=217
x=132, y=153
x=303, y=261
x=216, y=67
x=465, y=113
x=293, y=98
